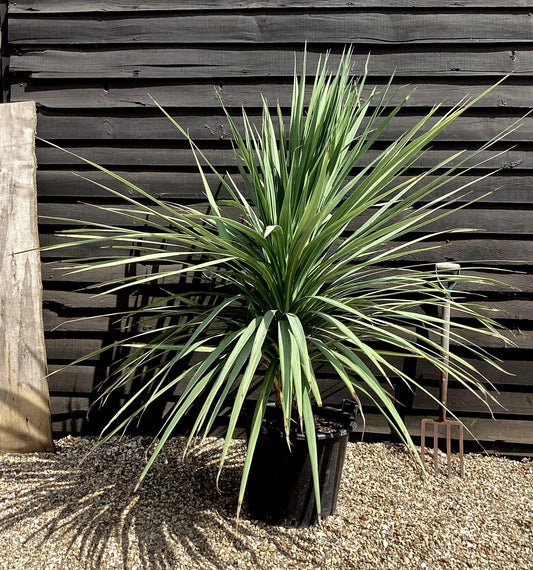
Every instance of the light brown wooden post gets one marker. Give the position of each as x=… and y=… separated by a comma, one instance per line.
x=24, y=401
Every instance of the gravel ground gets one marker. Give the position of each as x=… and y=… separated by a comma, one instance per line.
x=63, y=511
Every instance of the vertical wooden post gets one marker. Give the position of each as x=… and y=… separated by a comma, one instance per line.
x=25, y=424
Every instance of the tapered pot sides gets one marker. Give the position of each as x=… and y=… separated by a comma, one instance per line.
x=280, y=485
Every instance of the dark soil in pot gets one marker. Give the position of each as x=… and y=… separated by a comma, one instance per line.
x=280, y=486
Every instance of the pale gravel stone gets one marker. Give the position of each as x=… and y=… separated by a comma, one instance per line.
x=71, y=510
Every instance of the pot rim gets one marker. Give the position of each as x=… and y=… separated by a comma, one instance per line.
x=346, y=415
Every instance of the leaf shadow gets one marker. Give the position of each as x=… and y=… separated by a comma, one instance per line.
x=92, y=504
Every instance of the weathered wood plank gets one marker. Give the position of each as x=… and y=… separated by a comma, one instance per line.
x=505, y=222
x=68, y=304
x=350, y=26
x=514, y=282
x=461, y=401
x=54, y=323
x=84, y=378
x=515, y=92
x=169, y=157
x=515, y=374
x=485, y=430
x=63, y=405
x=157, y=63
x=203, y=126
x=66, y=350
x=477, y=250
x=24, y=403
x=84, y=323
x=517, y=338
x=187, y=186
x=61, y=274
x=59, y=301
x=176, y=186
x=505, y=307
x=74, y=379
x=59, y=7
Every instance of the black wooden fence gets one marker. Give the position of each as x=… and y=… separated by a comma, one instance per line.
x=92, y=68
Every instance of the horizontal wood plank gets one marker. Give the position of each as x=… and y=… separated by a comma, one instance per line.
x=171, y=157
x=143, y=126
x=515, y=92
x=494, y=221
x=54, y=323
x=65, y=405
x=60, y=301
x=461, y=401
x=157, y=63
x=73, y=379
x=485, y=430
x=512, y=375
x=92, y=323
x=69, y=349
x=511, y=339
x=350, y=26
x=84, y=378
x=477, y=251
x=508, y=283
x=58, y=7
x=69, y=303
x=187, y=186
x=508, y=310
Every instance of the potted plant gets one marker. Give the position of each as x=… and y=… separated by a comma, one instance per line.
x=299, y=263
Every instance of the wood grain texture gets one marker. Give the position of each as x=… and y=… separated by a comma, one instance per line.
x=84, y=379
x=514, y=282
x=483, y=429
x=499, y=190
x=514, y=93
x=77, y=6
x=506, y=222
x=203, y=62
x=69, y=304
x=340, y=27
x=169, y=156
x=144, y=125
x=24, y=403
x=64, y=350
x=477, y=250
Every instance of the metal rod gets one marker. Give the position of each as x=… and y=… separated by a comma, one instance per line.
x=447, y=425
x=461, y=450
x=446, y=317
x=435, y=448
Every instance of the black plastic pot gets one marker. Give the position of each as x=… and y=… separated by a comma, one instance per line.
x=280, y=485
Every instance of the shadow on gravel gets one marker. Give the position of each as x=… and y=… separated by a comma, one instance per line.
x=91, y=508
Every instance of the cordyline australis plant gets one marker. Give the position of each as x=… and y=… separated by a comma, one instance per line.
x=292, y=264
